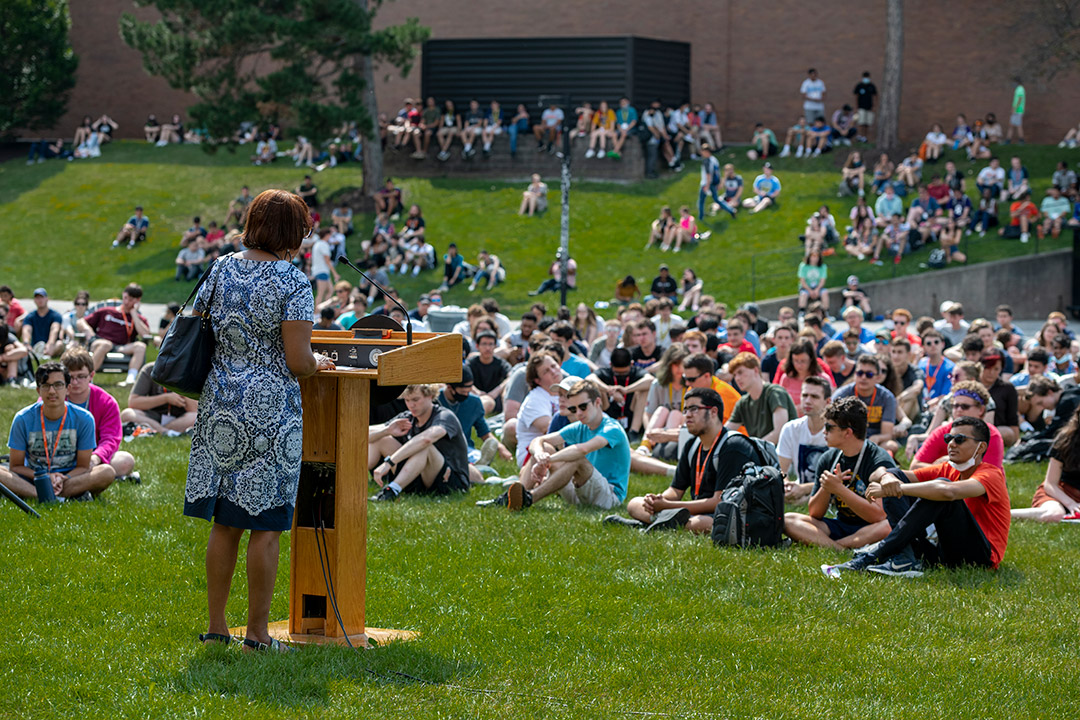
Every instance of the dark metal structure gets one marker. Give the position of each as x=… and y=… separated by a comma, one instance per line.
x=519, y=70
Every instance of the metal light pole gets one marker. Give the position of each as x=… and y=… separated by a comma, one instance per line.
x=564, y=225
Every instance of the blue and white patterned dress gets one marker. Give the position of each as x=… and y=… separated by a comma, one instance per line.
x=245, y=454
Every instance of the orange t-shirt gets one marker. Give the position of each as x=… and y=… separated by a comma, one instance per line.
x=729, y=395
x=991, y=511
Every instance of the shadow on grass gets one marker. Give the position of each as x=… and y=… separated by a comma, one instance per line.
x=641, y=188
x=17, y=178
x=305, y=677
x=977, y=578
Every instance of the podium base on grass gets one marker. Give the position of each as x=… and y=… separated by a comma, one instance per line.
x=380, y=636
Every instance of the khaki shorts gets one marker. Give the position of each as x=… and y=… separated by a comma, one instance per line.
x=864, y=117
x=596, y=491
x=1016, y=119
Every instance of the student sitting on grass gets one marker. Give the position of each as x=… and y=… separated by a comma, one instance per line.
x=965, y=499
x=843, y=476
x=54, y=437
x=82, y=392
x=766, y=189
x=586, y=462
x=707, y=465
x=422, y=450
x=1057, y=499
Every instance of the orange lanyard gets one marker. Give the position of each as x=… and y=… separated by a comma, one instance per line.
x=872, y=397
x=699, y=467
x=56, y=440
x=932, y=378
x=128, y=326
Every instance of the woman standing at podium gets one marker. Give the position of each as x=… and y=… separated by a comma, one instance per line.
x=245, y=454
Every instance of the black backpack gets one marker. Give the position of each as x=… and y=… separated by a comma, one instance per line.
x=751, y=509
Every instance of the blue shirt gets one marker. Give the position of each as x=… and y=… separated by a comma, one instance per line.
x=573, y=365
x=766, y=185
x=938, y=381
x=78, y=435
x=612, y=460
x=865, y=336
x=470, y=413
x=41, y=324
x=625, y=115
x=886, y=207
x=139, y=223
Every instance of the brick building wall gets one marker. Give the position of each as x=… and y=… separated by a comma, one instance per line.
x=748, y=58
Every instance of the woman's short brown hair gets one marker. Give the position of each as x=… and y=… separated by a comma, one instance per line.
x=277, y=220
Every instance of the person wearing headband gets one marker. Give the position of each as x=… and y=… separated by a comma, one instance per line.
x=964, y=498
x=1006, y=415
x=969, y=399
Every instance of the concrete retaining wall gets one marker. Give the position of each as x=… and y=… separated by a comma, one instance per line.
x=1034, y=285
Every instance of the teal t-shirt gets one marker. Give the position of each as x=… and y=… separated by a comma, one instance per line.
x=612, y=460
x=814, y=275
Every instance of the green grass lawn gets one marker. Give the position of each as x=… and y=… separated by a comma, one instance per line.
x=548, y=612
x=60, y=218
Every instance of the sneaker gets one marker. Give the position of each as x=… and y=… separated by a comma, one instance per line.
x=670, y=519
x=786, y=151
x=1024, y=237
x=419, y=155
x=387, y=494
x=898, y=567
x=132, y=477
x=799, y=151
x=857, y=564
x=625, y=522
x=85, y=497
x=590, y=153
x=867, y=549
x=877, y=262
x=487, y=451
x=614, y=155
x=1073, y=517
x=500, y=501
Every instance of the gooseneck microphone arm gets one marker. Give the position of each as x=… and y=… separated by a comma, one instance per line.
x=408, y=317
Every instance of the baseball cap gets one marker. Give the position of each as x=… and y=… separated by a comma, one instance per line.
x=767, y=165
x=466, y=377
x=41, y=291
x=852, y=279
x=568, y=382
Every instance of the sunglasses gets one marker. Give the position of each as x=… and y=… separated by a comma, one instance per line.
x=829, y=427
x=80, y=304
x=865, y=373
x=963, y=406
x=687, y=378
x=578, y=408
x=957, y=438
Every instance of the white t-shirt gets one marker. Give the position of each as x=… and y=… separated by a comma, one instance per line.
x=320, y=254
x=538, y=403
x=991, y=176
x=814, y=90
x=802, y=448
x=551, y=118
x=936, y=138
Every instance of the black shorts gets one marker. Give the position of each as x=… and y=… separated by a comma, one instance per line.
x=446, y=482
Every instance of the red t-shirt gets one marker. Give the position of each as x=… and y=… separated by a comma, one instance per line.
x=15, y=311
x=1025, y=207
x=934, y=447
x=746, y=346
x=991, y=511
x=114, y=325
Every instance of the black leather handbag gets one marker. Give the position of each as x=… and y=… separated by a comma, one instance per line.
x=183, y=362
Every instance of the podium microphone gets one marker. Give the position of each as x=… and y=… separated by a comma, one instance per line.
x=408, y=317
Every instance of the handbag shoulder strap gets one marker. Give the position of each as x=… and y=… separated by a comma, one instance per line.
x=195, y=290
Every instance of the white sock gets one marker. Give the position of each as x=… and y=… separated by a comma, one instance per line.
x=468, y=147
x=131, y=375
x=787, y=149
x=416, y=270
x=487, y=146
x=395, y=487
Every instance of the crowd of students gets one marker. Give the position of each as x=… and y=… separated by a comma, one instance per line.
x=569, y=396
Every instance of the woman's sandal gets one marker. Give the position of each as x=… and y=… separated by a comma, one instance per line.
x=273, y=646
x=216, y=639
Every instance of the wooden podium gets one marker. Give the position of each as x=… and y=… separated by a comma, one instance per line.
x=333, y=488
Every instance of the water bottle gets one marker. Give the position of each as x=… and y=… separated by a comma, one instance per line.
x=43, y=484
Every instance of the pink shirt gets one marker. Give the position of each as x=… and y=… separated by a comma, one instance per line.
x=935, y=448
x=107, y=425
x=794, y=385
